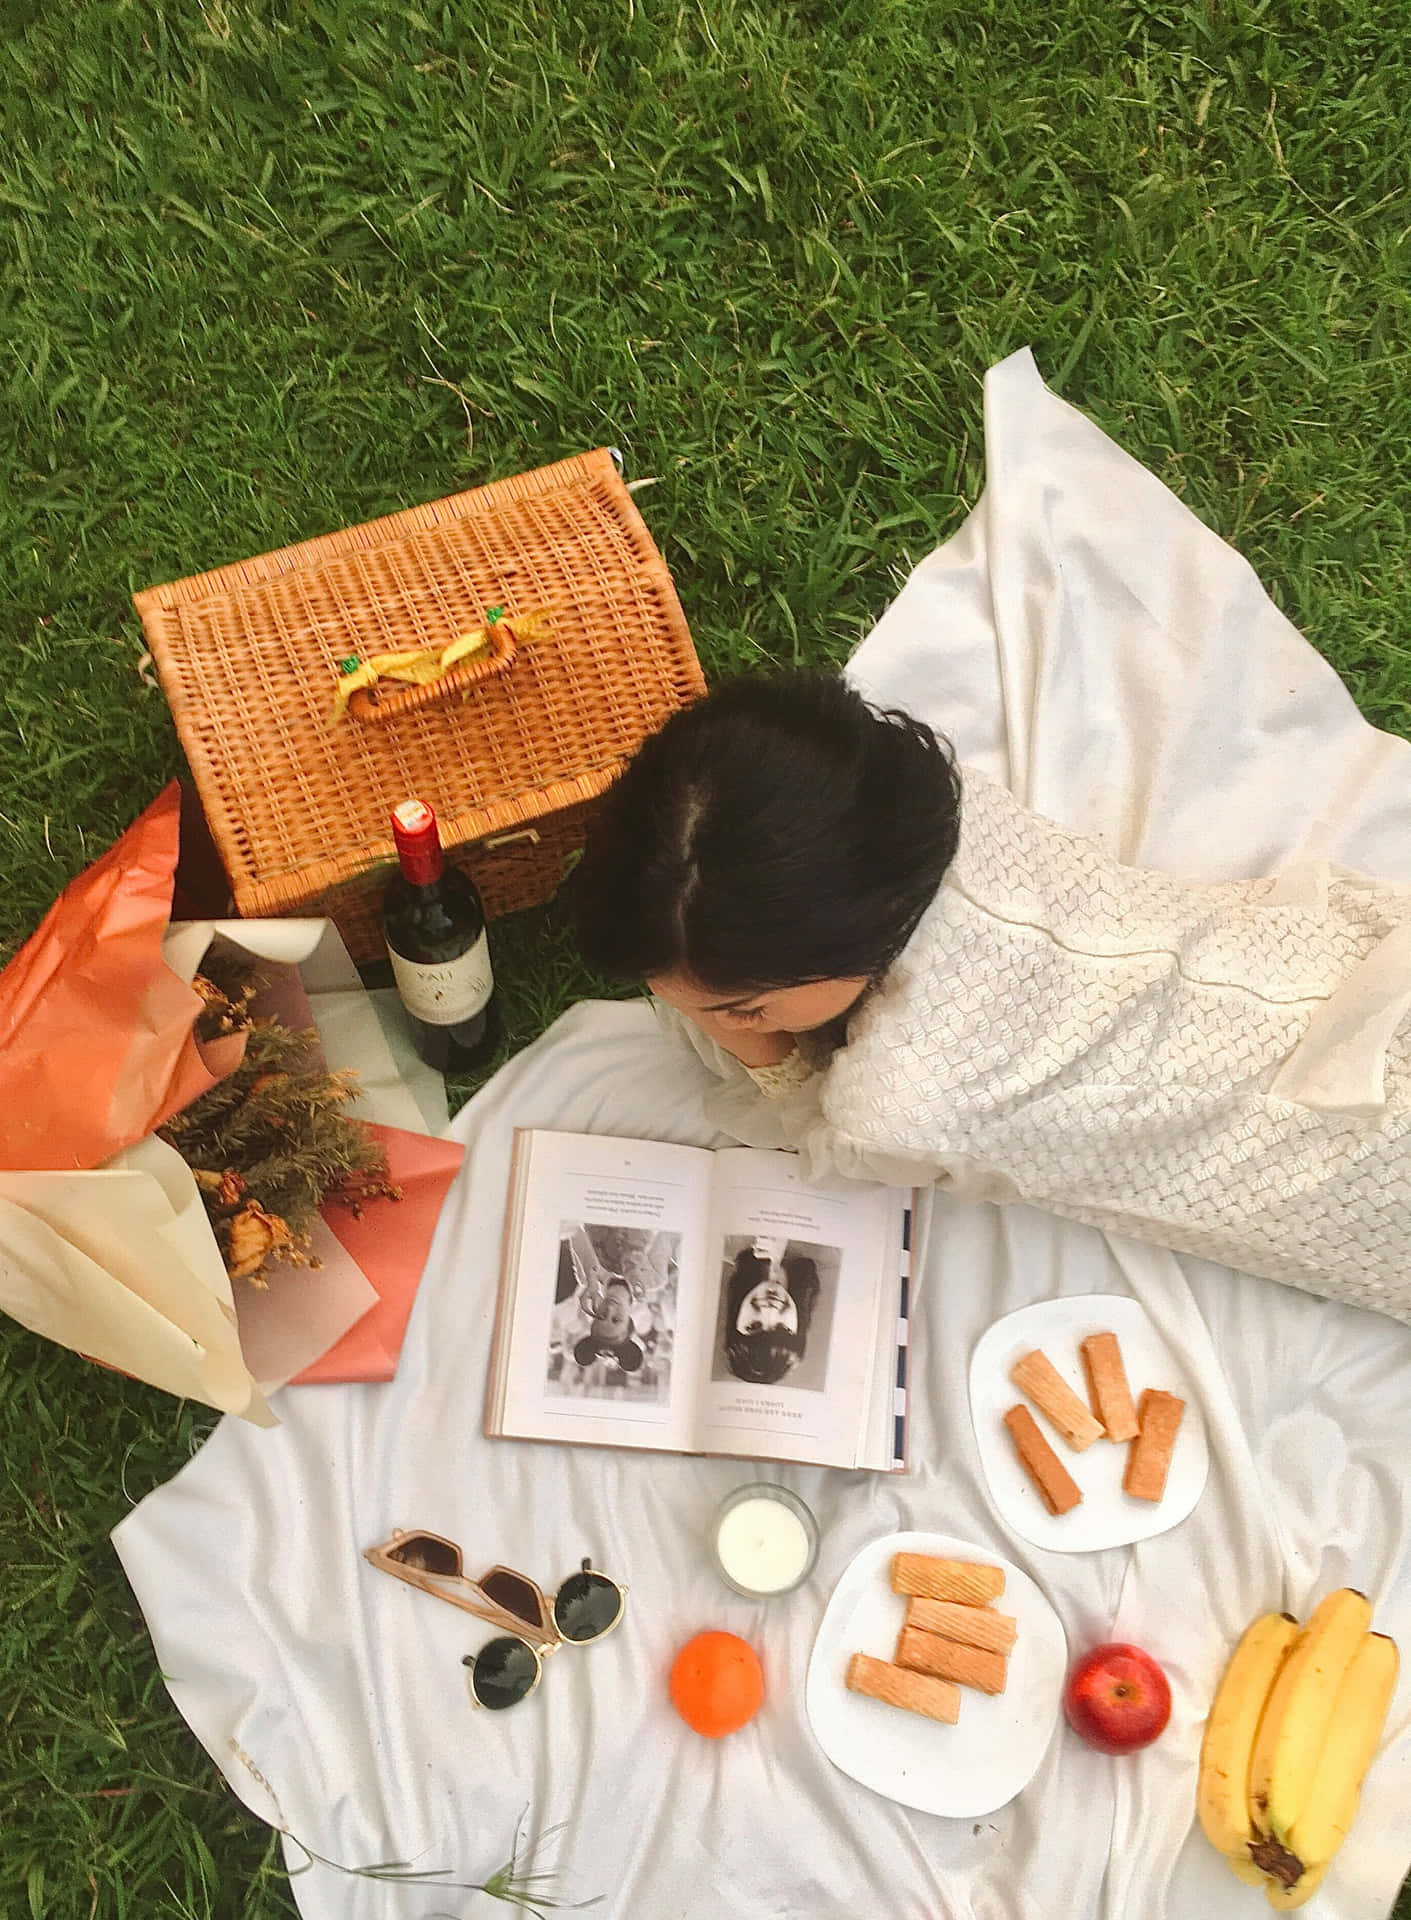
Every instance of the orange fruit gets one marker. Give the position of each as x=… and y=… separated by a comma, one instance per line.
x=717, y=1683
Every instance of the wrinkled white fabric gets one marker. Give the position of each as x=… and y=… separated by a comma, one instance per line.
x=1090, y=645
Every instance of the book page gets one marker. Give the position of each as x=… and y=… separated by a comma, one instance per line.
x=801, y=1278
x=606, y=1317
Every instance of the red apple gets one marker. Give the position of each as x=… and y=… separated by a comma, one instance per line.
x=1117, y=1699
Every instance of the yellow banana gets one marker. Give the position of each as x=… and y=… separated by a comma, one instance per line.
x=1300, y=1709
x=1285, y=1899
x=1353, y=1736
x=1222, y=1791
x=1243, y=1868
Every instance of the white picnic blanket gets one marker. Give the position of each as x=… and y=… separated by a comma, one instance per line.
x=1086, y=639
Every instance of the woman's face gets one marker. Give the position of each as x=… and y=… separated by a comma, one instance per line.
x=770, y=1010
x=767, y=1307
x=612, y=1317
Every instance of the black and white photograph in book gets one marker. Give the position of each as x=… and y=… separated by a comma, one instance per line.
x=614, y=1318
x=775, y=1316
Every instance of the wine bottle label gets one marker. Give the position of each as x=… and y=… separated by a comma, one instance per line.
x=449, y=992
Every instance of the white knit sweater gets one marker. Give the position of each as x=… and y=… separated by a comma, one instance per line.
x=1224, y=1070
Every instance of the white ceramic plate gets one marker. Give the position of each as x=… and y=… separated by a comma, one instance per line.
x=993, y=1750
x=1107, y=1517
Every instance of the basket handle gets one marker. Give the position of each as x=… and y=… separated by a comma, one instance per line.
x=389, y=697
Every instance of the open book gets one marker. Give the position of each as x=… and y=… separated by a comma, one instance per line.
x=671, y=1297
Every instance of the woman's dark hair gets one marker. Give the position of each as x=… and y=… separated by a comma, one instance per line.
x=780, y=831
x=765, y=1357
x=626, y=1352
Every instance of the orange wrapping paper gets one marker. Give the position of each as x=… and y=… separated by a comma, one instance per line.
x=96, y=1048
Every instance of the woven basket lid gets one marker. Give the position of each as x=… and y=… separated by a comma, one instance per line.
x=249, y=655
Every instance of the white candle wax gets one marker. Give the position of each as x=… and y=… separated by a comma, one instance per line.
x=762, y=1545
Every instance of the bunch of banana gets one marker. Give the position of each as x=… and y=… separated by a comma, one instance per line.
x=1291, y=1733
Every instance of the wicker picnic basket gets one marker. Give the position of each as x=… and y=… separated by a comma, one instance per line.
x=512, y=748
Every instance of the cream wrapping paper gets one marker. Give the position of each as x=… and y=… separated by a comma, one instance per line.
x=119, y=1262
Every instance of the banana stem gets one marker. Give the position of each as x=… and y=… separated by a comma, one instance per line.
x=1271, y=1857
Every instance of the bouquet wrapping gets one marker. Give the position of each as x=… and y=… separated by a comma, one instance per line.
x=105, y=1244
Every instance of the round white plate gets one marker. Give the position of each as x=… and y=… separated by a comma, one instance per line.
x=993, y=1750
x=1107, y=1517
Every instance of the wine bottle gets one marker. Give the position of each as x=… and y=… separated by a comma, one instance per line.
x=434, y=926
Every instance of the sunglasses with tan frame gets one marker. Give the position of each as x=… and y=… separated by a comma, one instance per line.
x=507, y=1669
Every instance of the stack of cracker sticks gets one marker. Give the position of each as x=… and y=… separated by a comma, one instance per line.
x=1150, y=1428
x=952, y=1638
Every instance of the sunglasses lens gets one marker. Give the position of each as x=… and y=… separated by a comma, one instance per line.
x=514, y=1593
x=503, y=1673
x=426, y=1554
x=588, y=1604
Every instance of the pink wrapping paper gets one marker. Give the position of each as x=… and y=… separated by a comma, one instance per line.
x=392, y=1260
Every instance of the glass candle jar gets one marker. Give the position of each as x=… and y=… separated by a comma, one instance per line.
x=764, y=1539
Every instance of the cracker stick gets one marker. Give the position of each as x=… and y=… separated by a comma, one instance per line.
x=1149, y=1457
x=970, y=1626
x=970, y=1581
x=917, y=1692
x=1056, y=1487
x=1108, y=1390
x=1107, y=1386
x=966, y=1666
x=1039, y=1380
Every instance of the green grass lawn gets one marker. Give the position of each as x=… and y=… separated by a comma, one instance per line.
x=272, y=267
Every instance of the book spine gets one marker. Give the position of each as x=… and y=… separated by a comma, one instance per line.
x=899, y=1387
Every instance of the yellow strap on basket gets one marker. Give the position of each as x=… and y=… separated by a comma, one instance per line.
x=423, y=666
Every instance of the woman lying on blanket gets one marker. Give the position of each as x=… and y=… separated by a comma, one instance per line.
x=899, y=970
